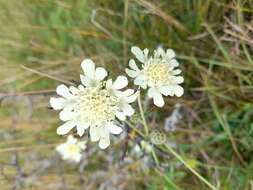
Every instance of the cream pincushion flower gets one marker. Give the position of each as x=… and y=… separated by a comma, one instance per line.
x=158, y=72
x=96, y=104
x=72, y=149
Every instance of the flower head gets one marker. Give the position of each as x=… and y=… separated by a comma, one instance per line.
x=158, y=72
x=97, y=104
x=158, y=137
x=71, y=150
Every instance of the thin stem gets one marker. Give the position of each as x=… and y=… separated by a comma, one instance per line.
x=155, y=156
x=189, y=167
x=135, y=129
x=142, y=115
x=143, y=136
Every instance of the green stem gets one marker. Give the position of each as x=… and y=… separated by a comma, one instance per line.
x=143, y=116
x=189, y=167
x=155, y=156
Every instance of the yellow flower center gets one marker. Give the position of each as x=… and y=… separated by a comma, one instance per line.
x=72, y=149
x=157, y=73
x=96, y=105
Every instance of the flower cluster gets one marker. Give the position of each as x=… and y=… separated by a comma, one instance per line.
x=99, y=104
x=95, y=105
x=158, y=72
x=71, y=150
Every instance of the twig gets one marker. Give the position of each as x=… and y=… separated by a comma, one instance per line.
x=142, y=115
x=47, y=75
x=158, y=12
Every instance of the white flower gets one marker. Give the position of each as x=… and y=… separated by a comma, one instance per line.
x=158, y=73
x=96, y=106
x=71, y=150
x=146, y=147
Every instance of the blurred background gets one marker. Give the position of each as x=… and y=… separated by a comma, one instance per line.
x=42, y=43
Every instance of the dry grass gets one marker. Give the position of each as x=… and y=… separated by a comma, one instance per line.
x=42, y=43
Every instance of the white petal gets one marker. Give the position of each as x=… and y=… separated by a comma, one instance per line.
x=132, y=98
x=138, y=53
x=158, y=99
x=67, y=114
x=57, y=103
x=151, y=92
x=88, y=67
x=114, y=129
x=128, y=92
x=73, y=90
x=77, y=157
x=71, y=139
x=94, y=133
x=66, y=127
x=174, y=63
x=177, y=80
x=139, y=80
x=127, y=109
x=133, y=65
x=166, y=90
x=160, y=51
x=109, y=84
x=63, y=91
x=104, y=142
x=100, y=73
x=143, y=85
x=86, y=81
x=145, y=51
x=170, y=54
x=80, y=130
x=81, y=126
x=81, y=87
x=176, y=71
x=120, y=82
x=60, y=148
x=120, y=115
x=179, y=91
x=131, y=73
x=82, y=145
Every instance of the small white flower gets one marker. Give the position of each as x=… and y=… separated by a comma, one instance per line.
x=146, y=147
x=137, y=150
x=72, y=149
x=158, y=73
x=96, y=106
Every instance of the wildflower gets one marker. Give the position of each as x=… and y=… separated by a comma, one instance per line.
x=95, y=105
x=142, y=148
x=157, y=72
x=146, y=147
x=71, y=150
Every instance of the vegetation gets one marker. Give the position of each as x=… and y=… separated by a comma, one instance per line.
x=42, y=43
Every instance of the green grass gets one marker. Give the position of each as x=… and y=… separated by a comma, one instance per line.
x=52, y=37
